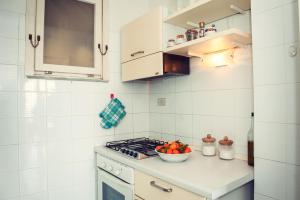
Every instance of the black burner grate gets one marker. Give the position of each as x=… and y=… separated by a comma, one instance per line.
x=141, y=145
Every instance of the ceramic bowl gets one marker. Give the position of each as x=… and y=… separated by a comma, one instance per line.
x=174, y=157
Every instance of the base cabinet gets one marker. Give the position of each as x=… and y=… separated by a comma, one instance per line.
x=150, y=188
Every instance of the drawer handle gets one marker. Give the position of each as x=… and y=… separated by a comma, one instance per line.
x=136, y=53
x=152, y=183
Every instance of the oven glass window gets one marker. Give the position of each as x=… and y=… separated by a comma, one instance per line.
x=111, y=194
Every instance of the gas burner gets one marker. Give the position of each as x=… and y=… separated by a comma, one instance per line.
x=138, y=148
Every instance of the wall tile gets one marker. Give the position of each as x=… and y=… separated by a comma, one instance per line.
x=168, y=122
x=290, y=13
x=292, y=63
x=270, y=103
x=60, y=176
x=8, y=77
x=13, y=5
x=155, y=122
x=8, y=131
x=9, y=184
x=32, y=129
x=269, y=20
x=270, y=178
x=8, y=51
x=58, y=128
x=184, y=103
x=39, y=196
x=293, y=107
x=9, y=102
x=32, y=155
x=32, y=104
x=125, y=125
x=203, y=125
x=223, y=103
x=293, y=144
x=61, y=109
x=82, y=150
x=203, y=102
x=33, y=181
x=82, y=104
x=276, y=135
x=243, y=103
x=59, y=152
x=140, y=103
x=141, y=122
x=10, y=21
x=9, y=158
x=293, y=182
x=82, y=126
x=184, y=125
x=270, y=60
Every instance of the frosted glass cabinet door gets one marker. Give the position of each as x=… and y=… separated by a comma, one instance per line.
x=70, y=32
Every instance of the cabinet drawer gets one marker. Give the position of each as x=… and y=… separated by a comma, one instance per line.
x=143, y=36
x=151, y=188
x=141, y=68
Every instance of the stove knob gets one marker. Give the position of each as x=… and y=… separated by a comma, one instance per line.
x=123, y=150
x=131, y=153
x=117, y=172
x=135, y=155
x=127, y=152
x=109, y=168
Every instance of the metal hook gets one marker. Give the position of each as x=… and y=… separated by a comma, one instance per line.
x=36, y=41
x=100, y=49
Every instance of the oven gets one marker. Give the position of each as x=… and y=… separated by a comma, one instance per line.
x=115, y=180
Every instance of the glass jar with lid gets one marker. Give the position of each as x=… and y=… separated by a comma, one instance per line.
x=208, y=145
x=191, y=34
x=226, y=150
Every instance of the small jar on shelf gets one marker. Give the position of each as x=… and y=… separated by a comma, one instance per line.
x=180, y=39
x=171, y=43
x=191, y=34
x=208, y=145
x=226, y=150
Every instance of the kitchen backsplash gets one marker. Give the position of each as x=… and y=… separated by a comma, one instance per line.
x=215, y=100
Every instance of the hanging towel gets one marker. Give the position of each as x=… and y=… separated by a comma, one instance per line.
x=112, y=114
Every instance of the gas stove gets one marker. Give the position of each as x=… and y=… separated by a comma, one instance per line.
x=138, y=148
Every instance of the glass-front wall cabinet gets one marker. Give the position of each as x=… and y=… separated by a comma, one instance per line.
x=66, y=39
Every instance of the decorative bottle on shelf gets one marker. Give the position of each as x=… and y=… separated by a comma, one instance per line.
x=251, y=142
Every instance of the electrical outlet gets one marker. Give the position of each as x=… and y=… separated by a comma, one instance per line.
x=161, y=101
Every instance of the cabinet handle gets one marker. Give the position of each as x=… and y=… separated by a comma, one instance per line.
x=136, y=53
x=36, y=41
x=152, y=183
x=103, y=53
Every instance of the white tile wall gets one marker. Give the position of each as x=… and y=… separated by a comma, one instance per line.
x=210, y=100
x=48, y=128
x=276, y=99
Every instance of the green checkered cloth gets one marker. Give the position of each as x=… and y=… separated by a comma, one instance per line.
x=112, y=114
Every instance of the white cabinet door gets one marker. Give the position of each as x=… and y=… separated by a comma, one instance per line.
x=66, y=37
x=143, y=36
x=145, y=67
x=151, y=188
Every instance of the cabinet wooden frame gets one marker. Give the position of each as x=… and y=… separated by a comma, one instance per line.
x=34, y=65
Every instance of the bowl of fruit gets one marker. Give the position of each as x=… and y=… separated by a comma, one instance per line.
x=174, y=151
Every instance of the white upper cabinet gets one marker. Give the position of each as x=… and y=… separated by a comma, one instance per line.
x=143, y=36
x=65, y=39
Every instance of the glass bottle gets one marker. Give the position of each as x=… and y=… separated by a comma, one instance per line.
x=251, y=142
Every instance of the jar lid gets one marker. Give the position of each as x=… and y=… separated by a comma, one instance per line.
x=226, y=141
x=180, y=36
x=209, y=139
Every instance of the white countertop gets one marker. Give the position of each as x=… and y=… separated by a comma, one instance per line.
x=210, y=177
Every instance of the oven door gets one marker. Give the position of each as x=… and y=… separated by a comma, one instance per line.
x=112, y=188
